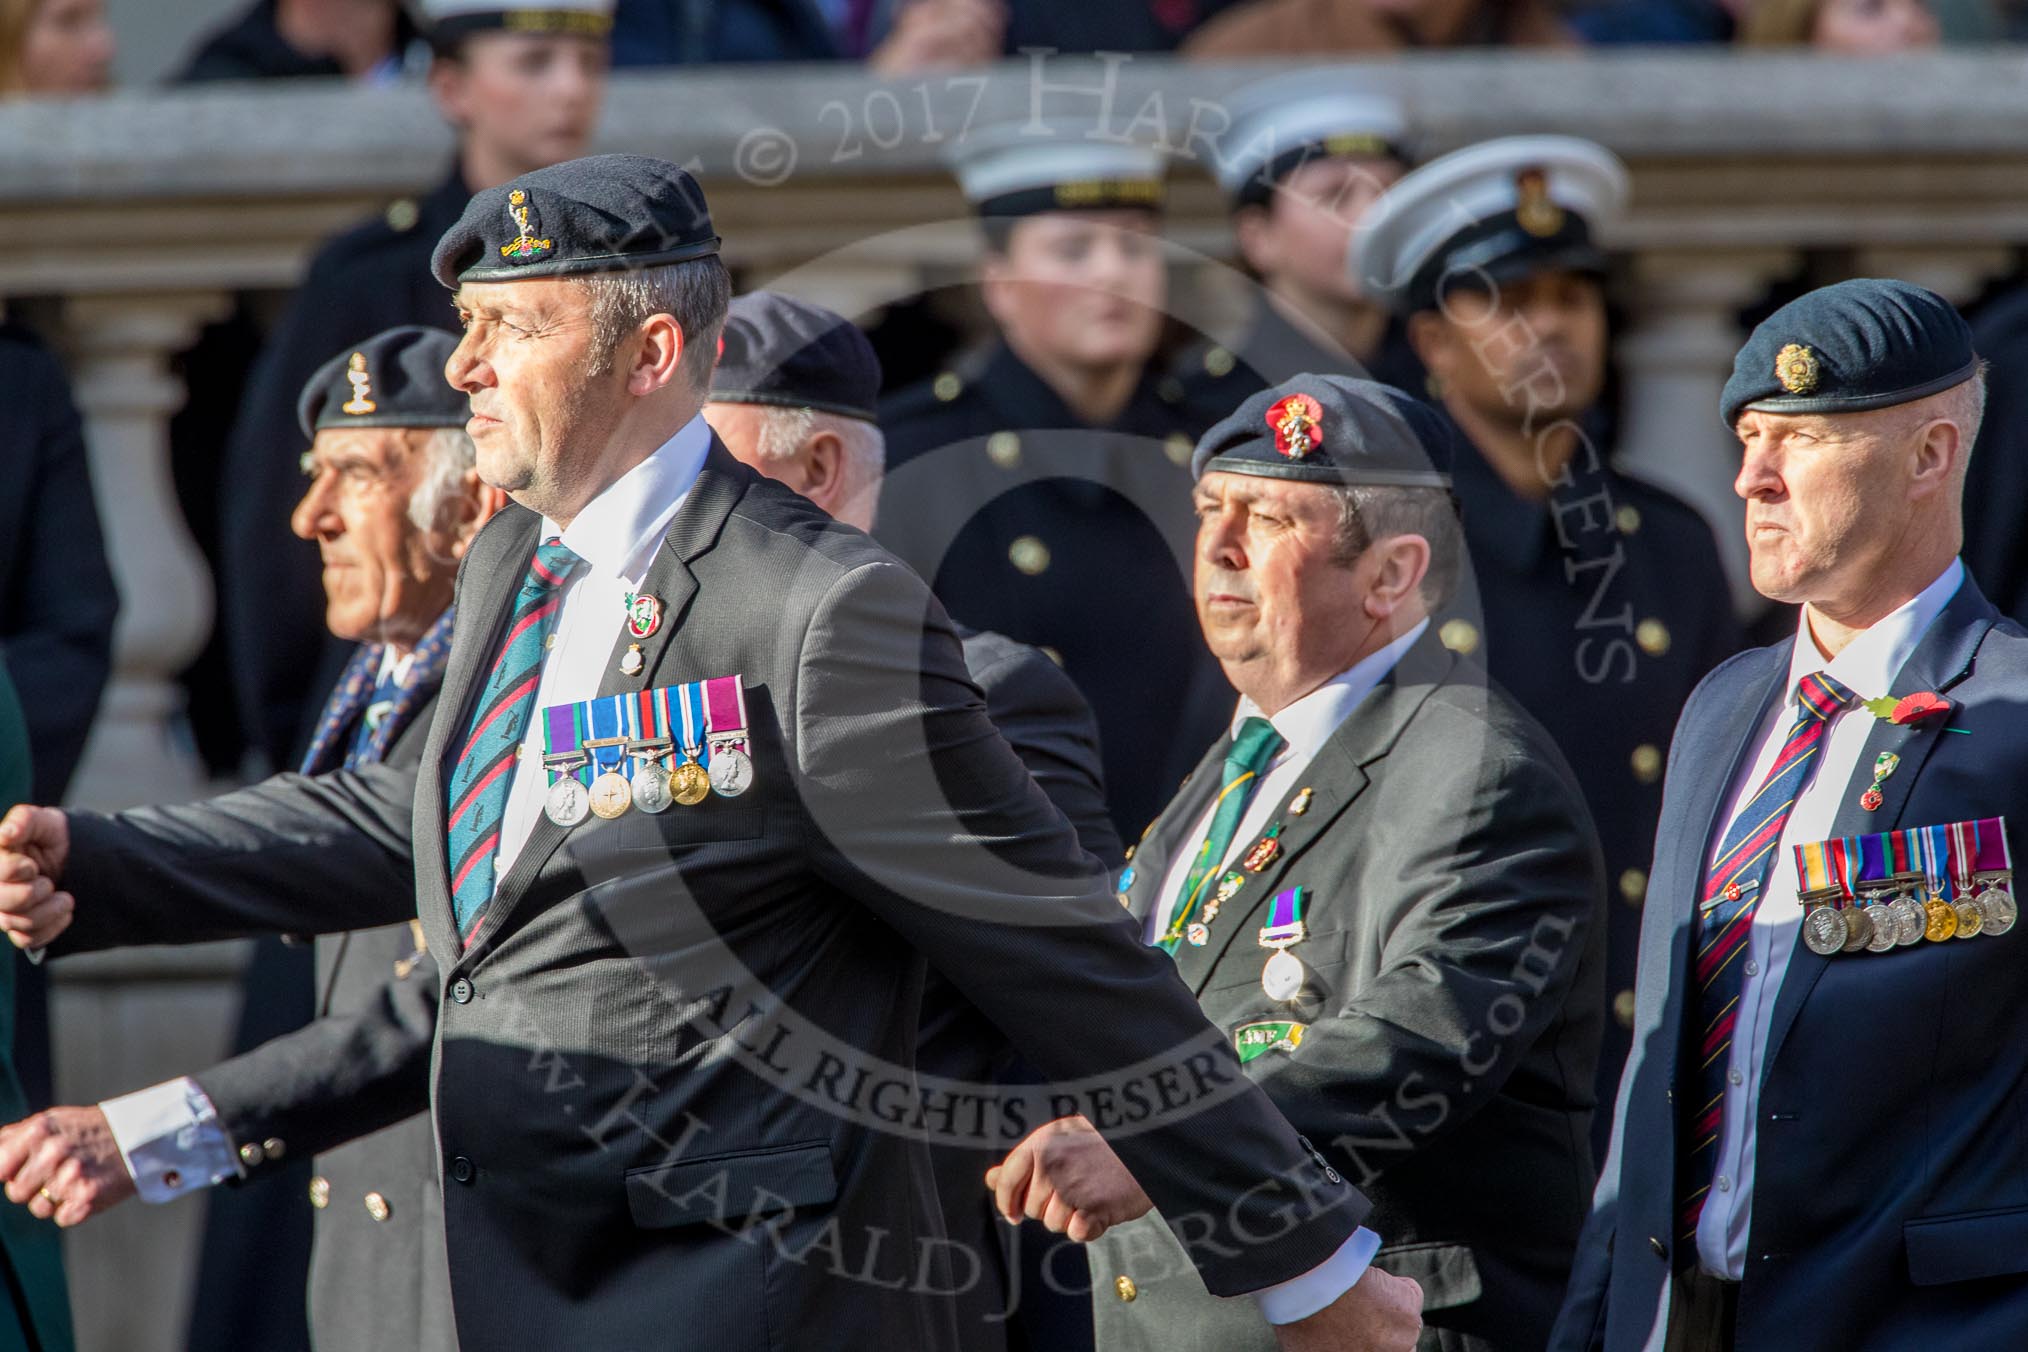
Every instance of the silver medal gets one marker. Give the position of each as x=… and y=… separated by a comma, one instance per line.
x=731, y=771
x=651, y=787
x=568, y=803
x=1999, y=909
x=1824, y=930
x=1910, y=920
x=1282, y=978
x=1886, y=927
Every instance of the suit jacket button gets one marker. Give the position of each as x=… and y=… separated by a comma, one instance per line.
x=463, y=1170
x=320, y=1193
x=1661, y=1249
x=273, y=1145
x=461, y=991
x=1124, y=1285
x=377, y=1207
x=251, y=1154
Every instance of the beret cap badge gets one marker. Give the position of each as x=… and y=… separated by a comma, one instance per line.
x=1534, y=210
x=525, y=245
x=1296, y=422
x=360, y=404
x=1796, y=368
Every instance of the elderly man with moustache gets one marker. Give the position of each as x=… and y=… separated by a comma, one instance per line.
x=641, y=1087
x=393, y=503
x=1818, y=1139
x=1382, y=885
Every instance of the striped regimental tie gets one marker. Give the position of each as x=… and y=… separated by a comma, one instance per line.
x=1733, y=885
x=1254, y=748
x=476, y=795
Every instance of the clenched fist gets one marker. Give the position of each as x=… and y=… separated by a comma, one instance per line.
x=34, y=843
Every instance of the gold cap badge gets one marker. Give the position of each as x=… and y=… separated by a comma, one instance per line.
x=525, y=245
x=1534, y=210
x=1796, y=368
x=362, y=386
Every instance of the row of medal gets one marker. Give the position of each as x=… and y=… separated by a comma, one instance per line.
x=1924, y=884
x=1282, y=977
x=605, y=756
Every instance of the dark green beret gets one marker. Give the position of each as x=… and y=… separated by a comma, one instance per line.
x=779, y=350
x=1331, y=430
x=393, y=379
x=602, y=213
x=1858, y=345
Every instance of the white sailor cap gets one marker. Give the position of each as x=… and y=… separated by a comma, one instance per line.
x=1494, y=212
x=445, y=21
x=1280, y=123
x=1013, y=170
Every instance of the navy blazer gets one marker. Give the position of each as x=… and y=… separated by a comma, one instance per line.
x=1890, y=1204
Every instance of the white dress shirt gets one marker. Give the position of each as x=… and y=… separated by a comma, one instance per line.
x=1869, y=666
x=1305, y=726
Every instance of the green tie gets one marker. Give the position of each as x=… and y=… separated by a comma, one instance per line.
x=1256, y=744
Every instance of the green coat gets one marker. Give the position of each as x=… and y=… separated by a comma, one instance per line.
x=30, y=1247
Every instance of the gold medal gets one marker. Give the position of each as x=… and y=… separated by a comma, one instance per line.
x=610, y=796
x=1970, y=919
x=1943, y=921
x=690, y=784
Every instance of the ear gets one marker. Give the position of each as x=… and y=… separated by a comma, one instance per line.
x=1400, y=562
x=658, y=347
x=1939, y=449
x=475, y=506
x=1253, y=231
x=446, y=81
x=823, y=460
x=1430, y=336
x=996, y=283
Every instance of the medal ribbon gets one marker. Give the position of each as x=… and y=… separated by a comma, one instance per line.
x=1964, y=859
x=1933, y=846
x=725, y=710
x=562, y=734
x=690, y=699
x=1813, y=867
x=1989, y=846
x=1873, y=865
x=649, y=710
x=1285, y=918
x=1900, y=850
x=1842, y=852
x=606, y=717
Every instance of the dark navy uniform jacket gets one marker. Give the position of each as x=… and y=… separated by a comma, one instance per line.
x=1075, y=539
x=1599, y=610
x=1217, y=378
x=372, y=277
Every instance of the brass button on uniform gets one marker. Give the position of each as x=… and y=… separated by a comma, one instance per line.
x=1178, y=448
x=402, y=214
x=1627, y=518
x=1219, y=362
x=947, y=386
x=1623, y=1008
x=1653, y=636
x=251, y=1154
x=377, y=1207
x=273, y=1145
x=1004, y=449
x=1029, y=554
x=1647, y=762
x=1460, y=636
x=1169, y=390
x=320, y=1193
x=1634, y=887
x=1124, y=1285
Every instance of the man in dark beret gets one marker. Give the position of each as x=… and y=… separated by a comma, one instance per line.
x=1382, y=883
x=1833, y=864
x=1595, y=598
x=711, y=789
x=393, y=503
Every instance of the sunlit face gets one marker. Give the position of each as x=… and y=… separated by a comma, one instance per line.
x=1827, y=499
x=1873, y=27
x=528, y=362
x=385, y=578
x=527, y=99
x=1273, y=595
x=1529, y=354
x=1085, y=288
x=68, y=48
x=1301, y=237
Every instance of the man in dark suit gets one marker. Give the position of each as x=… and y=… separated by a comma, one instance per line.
x=675, y=1097
x=1772, y=1184
x=393, y=503
x=794, y=396
x=1383, y=886
x=523, y=86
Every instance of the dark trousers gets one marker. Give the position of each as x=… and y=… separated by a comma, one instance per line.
x=1702, y=1313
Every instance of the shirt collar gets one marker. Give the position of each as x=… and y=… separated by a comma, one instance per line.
x=1870, y=662
x=619, y=530
x=1312, y=720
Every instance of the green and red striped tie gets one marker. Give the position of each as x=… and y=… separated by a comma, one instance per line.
x=476, y=794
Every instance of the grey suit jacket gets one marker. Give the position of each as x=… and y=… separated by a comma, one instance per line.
x=674, y=1086
x=1449, y=1021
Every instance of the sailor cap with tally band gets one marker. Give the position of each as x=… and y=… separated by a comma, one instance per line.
x=1331, y=430
x=393, y=379
x=1280, y=124
x=1009, y=171
x=789, y=353
x=1495, y=212
x=1858, y=345
x=447, y=21
x=603, y=213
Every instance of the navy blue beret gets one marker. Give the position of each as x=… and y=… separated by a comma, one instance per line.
x=393, y=379
x=1331, y=430
x=1862, y=344
x=779, y=350
x=602, y=213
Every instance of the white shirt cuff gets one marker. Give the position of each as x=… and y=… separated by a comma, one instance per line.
x=1301, y=1297
x=170, y=1139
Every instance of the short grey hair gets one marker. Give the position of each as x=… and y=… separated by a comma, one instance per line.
x=1368, y=512
x=694, y=293
x=785, y=430
x=444, y=458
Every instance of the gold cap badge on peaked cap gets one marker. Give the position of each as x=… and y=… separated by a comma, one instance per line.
x=1796, y=368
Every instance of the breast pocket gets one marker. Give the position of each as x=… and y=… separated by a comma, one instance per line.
x=732, y=1191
